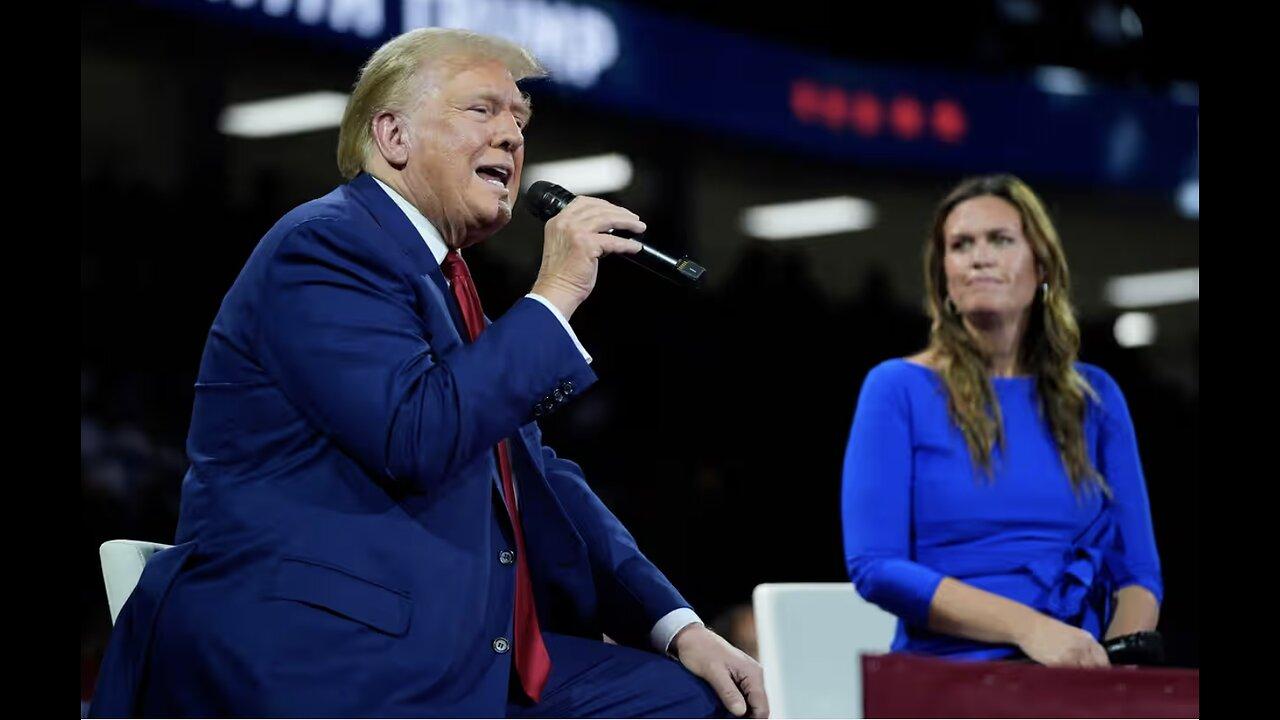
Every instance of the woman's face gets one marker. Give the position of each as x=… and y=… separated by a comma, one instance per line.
x=990, y=269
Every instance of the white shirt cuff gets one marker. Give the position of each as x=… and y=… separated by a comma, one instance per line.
x=665, y=630
x=564, y=322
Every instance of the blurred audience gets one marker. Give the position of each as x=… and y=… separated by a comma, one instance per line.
x=738, y=626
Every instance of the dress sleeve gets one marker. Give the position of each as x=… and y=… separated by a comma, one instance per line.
x=1132, y=559
x=876, y=502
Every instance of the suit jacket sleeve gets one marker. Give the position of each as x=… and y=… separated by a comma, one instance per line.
x=632, y=592
x=339, y=331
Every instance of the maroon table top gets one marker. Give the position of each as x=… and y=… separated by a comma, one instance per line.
x=905, y=686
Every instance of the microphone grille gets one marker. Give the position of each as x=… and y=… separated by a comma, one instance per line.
x=546, y=199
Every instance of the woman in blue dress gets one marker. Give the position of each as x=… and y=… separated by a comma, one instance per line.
x=993, y=498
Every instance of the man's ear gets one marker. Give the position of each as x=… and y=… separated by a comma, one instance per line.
x=391, y=136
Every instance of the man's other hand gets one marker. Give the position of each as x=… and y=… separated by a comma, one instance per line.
x=737, y=679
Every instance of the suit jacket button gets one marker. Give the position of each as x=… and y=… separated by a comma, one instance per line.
x=567, y=386
x=506, y=557
x=539, y=410
x=501, y=645
x=558, y=394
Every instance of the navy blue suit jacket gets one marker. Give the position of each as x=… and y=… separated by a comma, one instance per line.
x=340, y=530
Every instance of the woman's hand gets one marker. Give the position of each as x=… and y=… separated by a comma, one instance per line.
x=1057, y=644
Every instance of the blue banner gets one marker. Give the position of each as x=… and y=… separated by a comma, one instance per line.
x=652, y=65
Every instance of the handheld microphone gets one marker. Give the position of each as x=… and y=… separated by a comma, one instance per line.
x=548, y=199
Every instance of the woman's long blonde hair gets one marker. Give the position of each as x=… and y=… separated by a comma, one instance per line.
x=1049, y=347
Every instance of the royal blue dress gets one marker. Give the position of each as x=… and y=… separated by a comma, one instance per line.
x=916, y=509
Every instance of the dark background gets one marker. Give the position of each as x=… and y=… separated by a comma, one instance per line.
x=717, y=430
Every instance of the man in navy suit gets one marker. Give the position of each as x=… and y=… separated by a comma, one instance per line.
x=371, y=525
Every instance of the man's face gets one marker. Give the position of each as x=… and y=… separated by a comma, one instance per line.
x=466, y=149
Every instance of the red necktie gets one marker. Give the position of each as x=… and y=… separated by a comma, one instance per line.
x=533, y=664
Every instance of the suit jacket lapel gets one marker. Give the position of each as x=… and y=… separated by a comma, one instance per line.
x=392, y=219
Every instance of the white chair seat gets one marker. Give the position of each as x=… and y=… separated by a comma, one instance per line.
x=122, y=564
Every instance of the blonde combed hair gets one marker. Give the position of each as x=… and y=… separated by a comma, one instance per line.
x=1049, y=348
x=388, y=81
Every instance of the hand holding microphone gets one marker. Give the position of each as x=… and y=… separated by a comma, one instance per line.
x=582, y=229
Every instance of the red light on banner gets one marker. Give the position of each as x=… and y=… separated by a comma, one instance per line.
x=866, y=114
x=949, y=122
x=806, y=101
x=834, y=106
x=906, y=117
